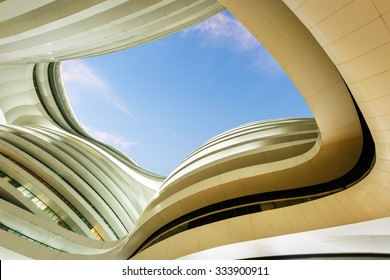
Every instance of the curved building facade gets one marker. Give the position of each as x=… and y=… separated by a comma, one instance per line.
x=289, y=188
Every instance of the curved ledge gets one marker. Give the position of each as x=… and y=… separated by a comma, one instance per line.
x=313, y=44
x=335, y=153
x=261, y=202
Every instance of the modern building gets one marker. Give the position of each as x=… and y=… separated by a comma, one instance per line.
x=292, y=188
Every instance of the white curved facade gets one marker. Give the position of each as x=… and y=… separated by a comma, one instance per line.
x=277, y=189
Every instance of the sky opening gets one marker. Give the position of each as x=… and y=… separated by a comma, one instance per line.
x=160, y=101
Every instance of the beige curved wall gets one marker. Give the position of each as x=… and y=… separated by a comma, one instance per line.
x=320, y=44
x=313, y=41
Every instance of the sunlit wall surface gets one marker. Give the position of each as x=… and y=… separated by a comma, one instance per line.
x=256, y=191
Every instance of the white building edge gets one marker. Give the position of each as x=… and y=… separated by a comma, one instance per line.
x=293, y=188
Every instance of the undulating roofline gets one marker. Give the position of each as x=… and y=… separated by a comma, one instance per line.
x=243, y=194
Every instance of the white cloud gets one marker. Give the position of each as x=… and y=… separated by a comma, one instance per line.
x=78, y=73
x=265, y=63
x=114, y=140
x=224, y=30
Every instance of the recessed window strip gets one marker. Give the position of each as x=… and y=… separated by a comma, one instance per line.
x=21, y=235
x=38, y=203
x=60, y=196
x=221, y=211
x=25, y=136
x=69, y=184
x=115, y=175
x=79, y=155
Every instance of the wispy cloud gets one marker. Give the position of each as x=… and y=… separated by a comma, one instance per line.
x=264, y=62
x=79, y=73
x=225, y=31
x=114, y=140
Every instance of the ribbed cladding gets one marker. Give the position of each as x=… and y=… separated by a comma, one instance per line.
x=172, y=21
x=36, y=238
x=101, y=176
x=55, y=104
x=96, y=27
x=87, y=178
x=72, y=155
x=269, y=130
x=255, y=147
x=248, y=145
x=10, y=13
x=97, y=165
x=46, y=204
x=18, y=100
x=59, y=165
x=267, y=201
x=38, y=161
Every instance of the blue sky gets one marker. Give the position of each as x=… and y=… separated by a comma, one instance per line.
x=160, y=101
